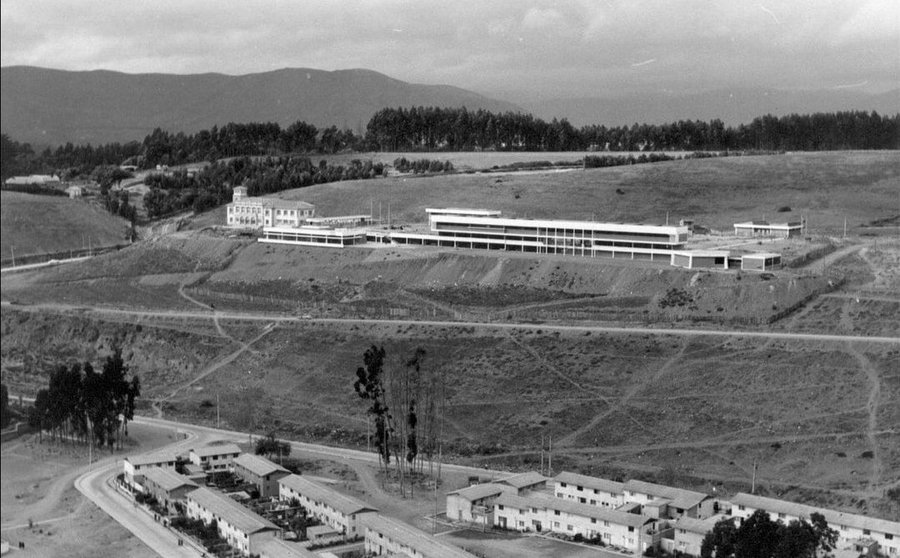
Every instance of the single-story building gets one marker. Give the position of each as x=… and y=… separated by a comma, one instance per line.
x=167, y=486
x=243, y=529
x=216, y=458
x=75, y=191
x=851, y=528
x=339, y=511
x=260, y=472
x=525, y=482
x=764, y=228
x=475, y=504
x=589, y=490
x=725, y=259
x=385, y=536
x=663, y=501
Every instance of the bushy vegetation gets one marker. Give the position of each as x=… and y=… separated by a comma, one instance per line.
x=421, y=166
x=35, y=189
x=760, y=537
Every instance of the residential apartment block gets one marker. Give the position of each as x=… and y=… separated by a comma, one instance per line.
x=339, y=511
x=241, y=528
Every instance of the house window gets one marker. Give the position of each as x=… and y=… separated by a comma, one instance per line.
x=867, y=532
x=562, y=484
x=555, y=512
x=556, y=524
x=499, y=506
x=593, y=520
x=631, y=529
x=741, y=508
x=569, y=528
x=579, y=488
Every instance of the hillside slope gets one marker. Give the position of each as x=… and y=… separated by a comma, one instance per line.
x=45, y=106
x=31, y=225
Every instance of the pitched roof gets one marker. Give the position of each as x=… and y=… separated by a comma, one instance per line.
x=258, y=465
x=480, y=491
x=277, y=548
x=833, y=517
x=681, y=498
x=700, y=526
x=544, y=501
x=594, y=483
x=523, y=480
x=320, y=493
x=167, y=479
x=231, y=512
x=222, y=449
x=151, y=458
x=409, y=536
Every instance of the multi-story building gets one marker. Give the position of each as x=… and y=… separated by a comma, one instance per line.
x=259, y=212
x=167, y=486
x=385, y=536
x=339, y=511
x=475, y=504
x=135, y=465
x=662, y=501
x=241, y=528
x=215, y=459
x=589, y=490
x=854, y=531
x=764, y=228
x=260, y=472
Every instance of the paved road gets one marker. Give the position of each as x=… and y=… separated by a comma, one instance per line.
x=281, y=318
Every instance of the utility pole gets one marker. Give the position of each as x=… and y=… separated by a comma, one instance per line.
x=542, y=454
x=550, y=457
x=667, y=218
x=217, y=410
x=13, y=250
x=753, y=481
x=845, y=227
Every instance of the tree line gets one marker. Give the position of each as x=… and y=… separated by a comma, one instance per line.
x=760, y=537
x=459, y=129
x=212, y=185
x=82, y=404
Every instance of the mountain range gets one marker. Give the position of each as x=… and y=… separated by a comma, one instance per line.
x=51, y=107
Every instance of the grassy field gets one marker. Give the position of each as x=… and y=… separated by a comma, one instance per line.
x=32, y=225
x=825, y=187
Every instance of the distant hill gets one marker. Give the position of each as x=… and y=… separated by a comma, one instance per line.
x=51, y=107
x=31, y=225
x=734, y=107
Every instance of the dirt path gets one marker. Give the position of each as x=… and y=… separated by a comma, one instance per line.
x=872, y=406
x=620, y=404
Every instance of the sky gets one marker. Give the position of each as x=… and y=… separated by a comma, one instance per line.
x=562, y=49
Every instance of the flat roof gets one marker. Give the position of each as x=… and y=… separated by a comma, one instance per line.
x=167, y=479
x=564, y=224
x=760, y=255
x=258, y=465
x=834, y=518
x=230, y=511
x=792, y=224
x=223, y=449
x=462, y=211
x=701, y=526
x=316, y=229
x=411, y=537
x=347, y=505
x=590, y=482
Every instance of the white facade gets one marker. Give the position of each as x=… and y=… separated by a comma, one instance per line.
x=259, y=212
x=475, y=504
x=390, y=537
x=240, y=527
x=215, y=459
x=342, y=513
x=313, y=236
x=589, y=490
x=851, y=528
x=665, y=501
x=138, y=464
x=763, y=228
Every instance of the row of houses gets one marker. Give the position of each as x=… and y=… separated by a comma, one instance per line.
x=342, y=517
x=637, y=515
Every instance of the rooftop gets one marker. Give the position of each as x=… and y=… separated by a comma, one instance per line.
x=231, y=512
x=595, y=483
x=834, y=518
x=223, y=449
x=700, y=526
x=166, y=479
x=480, y=491
x=524, y=480
x=315, y=491
x=680, y=497
x=151, y=458
x=574, y=508
x=413, y=538
x=258, y=465
x=277, y=548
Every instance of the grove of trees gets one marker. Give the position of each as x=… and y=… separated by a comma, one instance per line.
x=82, y=404
x=412, y=432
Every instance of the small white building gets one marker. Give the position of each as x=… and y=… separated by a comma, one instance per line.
x=320, y=236
x=689, y=532
x=243, y=529
x=853, y=530
x=259, y=212
x=589, y=490
x=39, y=179
x=136, y=465
x=764, y=228
x=339, y=511
x=389, y=537
x=75, y=191
x=215, y=459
